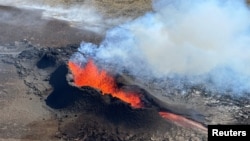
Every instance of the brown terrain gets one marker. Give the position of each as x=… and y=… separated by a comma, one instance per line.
x=38, y=103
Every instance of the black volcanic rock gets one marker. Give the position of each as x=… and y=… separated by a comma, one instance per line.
x=47, y=60
x=63, y=94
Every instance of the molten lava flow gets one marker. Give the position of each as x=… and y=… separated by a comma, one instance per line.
x=91, y=76
x=180, y=120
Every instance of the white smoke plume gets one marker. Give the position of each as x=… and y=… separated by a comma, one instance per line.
x=194, y=41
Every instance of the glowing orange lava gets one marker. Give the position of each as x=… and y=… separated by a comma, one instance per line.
x=91, y=76
x=182, y=121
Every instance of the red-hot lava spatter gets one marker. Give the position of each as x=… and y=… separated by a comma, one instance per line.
x=91, y=76
x=182, y=121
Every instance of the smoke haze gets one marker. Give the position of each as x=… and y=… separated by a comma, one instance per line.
x=81, y=14
x=193, y=42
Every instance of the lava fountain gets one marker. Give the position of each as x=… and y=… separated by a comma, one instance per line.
x=92, y=76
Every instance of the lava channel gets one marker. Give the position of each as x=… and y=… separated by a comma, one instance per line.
x=182, y=121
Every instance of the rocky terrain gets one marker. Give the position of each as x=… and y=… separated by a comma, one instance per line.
x=42, y=100
x=38, y=103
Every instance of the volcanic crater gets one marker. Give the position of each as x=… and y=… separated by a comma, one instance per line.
x=87, y=100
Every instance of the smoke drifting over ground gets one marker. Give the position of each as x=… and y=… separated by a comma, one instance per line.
x=192, y=42
x=80, y=14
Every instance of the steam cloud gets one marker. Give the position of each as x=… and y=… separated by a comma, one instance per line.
x=194, y=42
